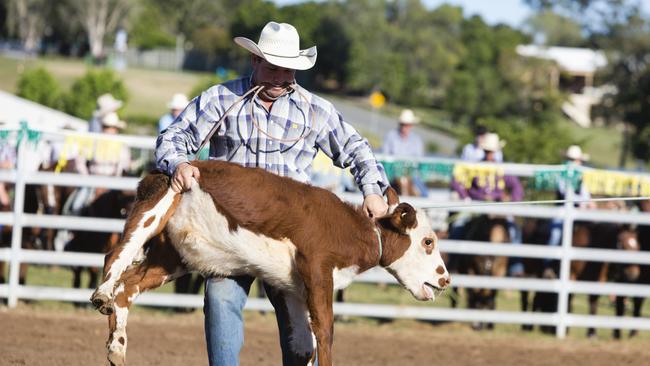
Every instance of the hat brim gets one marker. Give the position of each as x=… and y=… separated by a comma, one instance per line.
x=493, y=148
x=120, y=125
x=177, y=106
x=112, y=108
x=305, y=60
x=583, y=157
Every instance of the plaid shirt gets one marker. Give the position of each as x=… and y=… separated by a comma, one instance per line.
x=239, y=141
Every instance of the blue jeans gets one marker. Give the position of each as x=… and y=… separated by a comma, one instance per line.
x=224, y=327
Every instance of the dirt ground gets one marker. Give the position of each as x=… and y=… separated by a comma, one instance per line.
x=50, y=337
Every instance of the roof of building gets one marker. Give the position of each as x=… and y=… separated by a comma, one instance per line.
x=578, y=60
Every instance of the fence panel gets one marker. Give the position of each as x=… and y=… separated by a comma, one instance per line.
x=563, y=286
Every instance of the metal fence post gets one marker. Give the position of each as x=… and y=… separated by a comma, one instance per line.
x=565, y=262
x=17, y=229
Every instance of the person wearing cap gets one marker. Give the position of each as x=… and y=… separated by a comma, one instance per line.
x=176, y=105
x=280, y=128
x=402, y=141
x=106, y=104
x=474, y=152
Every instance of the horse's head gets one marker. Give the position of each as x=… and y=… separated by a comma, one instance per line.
x=411, y=252
x=627, y=240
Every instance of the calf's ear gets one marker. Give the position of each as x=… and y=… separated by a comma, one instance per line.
x=403, y=218
x=393, y=199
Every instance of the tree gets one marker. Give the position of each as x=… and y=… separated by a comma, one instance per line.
x=98, y=18
x=403, y=49
x=39, y=86
x=619, y=28
x=553, y=29
x=150, y=28
x=83, y=95
x=27, y=18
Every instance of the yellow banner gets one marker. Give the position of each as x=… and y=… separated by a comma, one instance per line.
x=486, y=176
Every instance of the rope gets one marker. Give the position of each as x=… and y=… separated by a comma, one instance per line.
x=216, y=126
x=381, y=245
x=608, y=199
x=304, y=129
x=256, y=90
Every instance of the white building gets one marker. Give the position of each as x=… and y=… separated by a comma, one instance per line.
x=575, y=75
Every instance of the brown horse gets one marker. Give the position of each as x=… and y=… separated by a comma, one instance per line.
x=111, y=204
x=486, y=229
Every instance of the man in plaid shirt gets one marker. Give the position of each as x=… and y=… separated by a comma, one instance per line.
x=280, y=130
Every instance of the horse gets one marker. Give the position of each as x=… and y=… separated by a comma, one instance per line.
x=486, y=229
x=113, y=204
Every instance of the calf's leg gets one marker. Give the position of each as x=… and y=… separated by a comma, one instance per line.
x=150, y=214
x=162, y=265
x=319, y=286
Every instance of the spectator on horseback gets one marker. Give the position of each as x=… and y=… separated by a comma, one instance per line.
x=403, y=142
x=106, y=104
x=495, y=188
x=576, y=157
x=176, y=105
x=473, y=150
x=109, y=158
x=278, y=126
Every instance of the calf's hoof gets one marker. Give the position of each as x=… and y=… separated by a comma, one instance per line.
x=116, y=359
x=102, y=302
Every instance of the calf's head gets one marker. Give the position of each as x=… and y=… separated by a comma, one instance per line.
x=411, y=252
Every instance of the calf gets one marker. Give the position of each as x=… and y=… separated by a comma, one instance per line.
x=302, y=240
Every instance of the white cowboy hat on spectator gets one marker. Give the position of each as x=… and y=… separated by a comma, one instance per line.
x=106, y=103
x=179, y=101
x=112, y=120
x=574, y=152
x=279, y=44
x=491, y=142
x=407, y=117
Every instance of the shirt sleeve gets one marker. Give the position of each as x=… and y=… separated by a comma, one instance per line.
x=343, y=144
x=516, y=189
x=192, y=126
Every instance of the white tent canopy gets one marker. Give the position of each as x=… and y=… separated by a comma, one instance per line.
x=14, y=109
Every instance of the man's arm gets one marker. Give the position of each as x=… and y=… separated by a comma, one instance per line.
x=343, y=144
x=190, y=128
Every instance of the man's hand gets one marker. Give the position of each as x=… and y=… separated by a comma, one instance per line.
x=374, y=205
x=182, y=178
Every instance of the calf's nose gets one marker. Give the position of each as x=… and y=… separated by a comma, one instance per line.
x=444, y=281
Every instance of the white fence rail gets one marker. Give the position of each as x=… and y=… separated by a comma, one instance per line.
x=563, y=286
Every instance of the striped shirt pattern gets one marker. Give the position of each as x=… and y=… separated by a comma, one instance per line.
x=237, y=140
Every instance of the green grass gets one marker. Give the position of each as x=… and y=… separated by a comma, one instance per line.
x=358, y=293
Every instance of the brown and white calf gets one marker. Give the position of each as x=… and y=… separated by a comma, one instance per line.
x=300, y=239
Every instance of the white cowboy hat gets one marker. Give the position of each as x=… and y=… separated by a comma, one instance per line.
x=491, y=142
x=106, y=103
x=574, y=152
x=112, y=120
x=407, y=117
x=279, y=44
x=179, y=101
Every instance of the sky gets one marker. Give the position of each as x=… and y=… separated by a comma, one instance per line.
x=511, y=12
